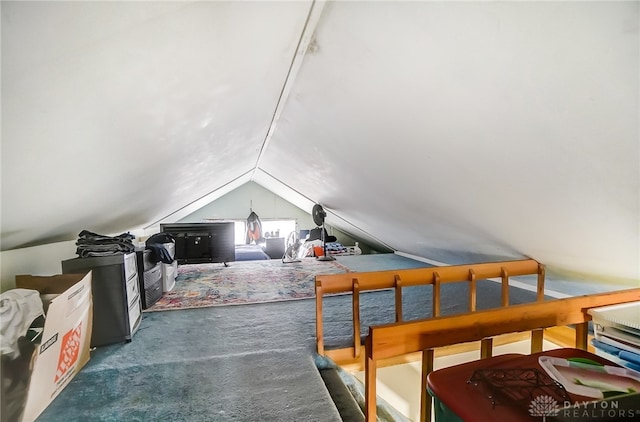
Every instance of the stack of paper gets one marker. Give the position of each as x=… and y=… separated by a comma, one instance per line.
x=617, y=331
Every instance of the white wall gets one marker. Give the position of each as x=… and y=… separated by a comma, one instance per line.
x=122, y=112
x=237, y=205
x=446, y=130
x=43, y=259
x=36, y=260
x=502, y=129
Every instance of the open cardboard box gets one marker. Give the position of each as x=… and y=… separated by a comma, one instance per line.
x=66, y=337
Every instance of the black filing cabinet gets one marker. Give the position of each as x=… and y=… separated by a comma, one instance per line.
x=116, y=296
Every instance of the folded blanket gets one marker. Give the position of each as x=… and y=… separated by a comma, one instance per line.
x=93, y=244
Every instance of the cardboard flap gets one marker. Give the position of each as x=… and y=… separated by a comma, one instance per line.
x=48, y=284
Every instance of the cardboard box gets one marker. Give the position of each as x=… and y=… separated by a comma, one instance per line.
x=66, y=337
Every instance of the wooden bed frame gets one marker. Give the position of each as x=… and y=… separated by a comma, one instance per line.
x=402, y=338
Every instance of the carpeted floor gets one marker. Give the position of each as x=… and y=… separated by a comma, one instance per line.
x=237, y=363
x=242, y=282
x=252, y=362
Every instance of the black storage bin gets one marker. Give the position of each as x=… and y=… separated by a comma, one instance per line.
x=150, y=277
x=116, y=299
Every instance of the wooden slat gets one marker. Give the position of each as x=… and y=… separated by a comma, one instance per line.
x=473, y=283
x=486, y=348
x=425, y=398
x=537, y=337
x=504, y=274
x=396, y=339
x=370, y=375
x=582, y=331
x=540, y=290
x=356, y=317
x=375, y=280
x=319, y=328
x=398, y=287
x=435, y=309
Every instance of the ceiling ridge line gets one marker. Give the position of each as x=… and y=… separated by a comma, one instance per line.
x=375, y=238
x=306, y=37
x=284, y=184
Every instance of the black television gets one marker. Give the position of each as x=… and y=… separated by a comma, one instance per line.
x=202, y=242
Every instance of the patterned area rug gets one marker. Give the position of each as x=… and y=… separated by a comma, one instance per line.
x=204, y=285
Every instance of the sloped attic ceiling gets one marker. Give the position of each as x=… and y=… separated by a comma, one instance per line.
x=447, y=130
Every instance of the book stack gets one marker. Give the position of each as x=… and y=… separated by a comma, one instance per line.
x=617, y=333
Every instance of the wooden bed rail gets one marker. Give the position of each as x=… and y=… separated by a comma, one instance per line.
x=396, y=339
x=356, y=283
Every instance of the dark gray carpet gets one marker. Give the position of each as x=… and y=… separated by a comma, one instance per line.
x=379, y=262
x=344, y=399
x=236, y=363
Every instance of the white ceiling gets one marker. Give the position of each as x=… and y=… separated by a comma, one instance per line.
x=501, y=129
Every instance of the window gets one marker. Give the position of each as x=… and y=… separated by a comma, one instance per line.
x=270, y=228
